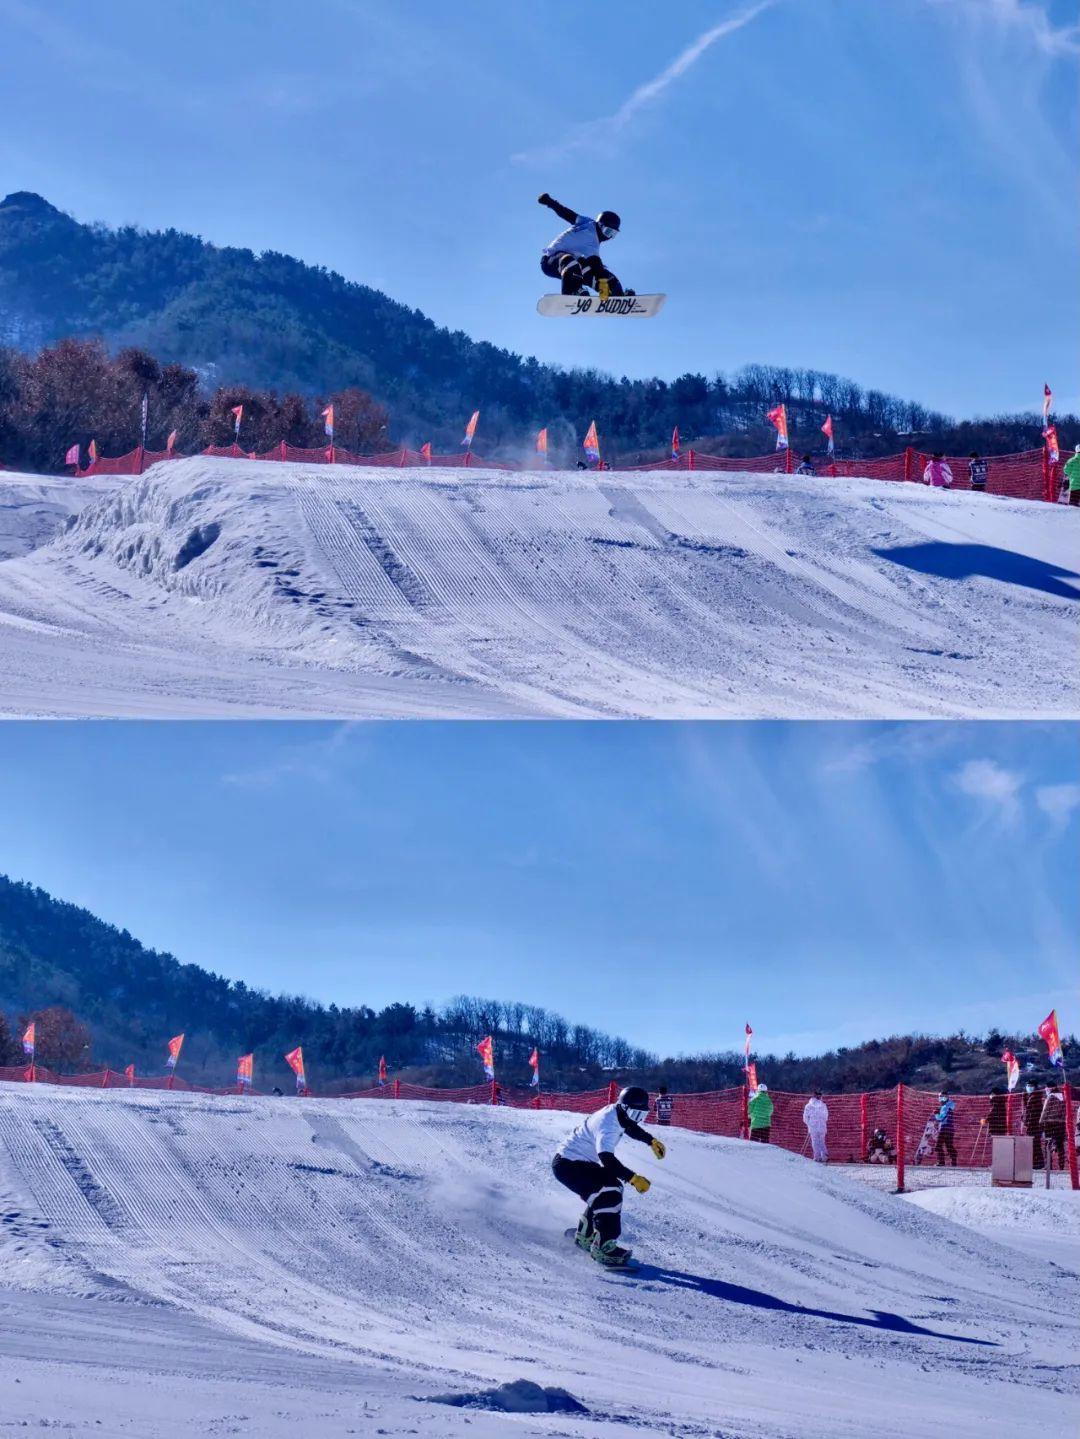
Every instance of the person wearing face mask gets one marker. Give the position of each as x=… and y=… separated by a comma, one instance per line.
x=573, y=257
x=586, y=1164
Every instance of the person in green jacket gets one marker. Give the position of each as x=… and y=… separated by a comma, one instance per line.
x=760, y=1110
x=1072, y=474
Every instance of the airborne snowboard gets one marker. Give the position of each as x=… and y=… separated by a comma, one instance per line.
x=627, y=1268
x=641, y=307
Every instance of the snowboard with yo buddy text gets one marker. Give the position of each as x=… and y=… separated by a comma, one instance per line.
x=587, y=286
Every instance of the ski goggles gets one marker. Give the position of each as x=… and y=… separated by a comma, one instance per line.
x=608, y=231
x=637, y=1116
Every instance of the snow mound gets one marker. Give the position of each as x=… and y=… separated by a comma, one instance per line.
x=520, y=1396
x=214, y=586
x=1051, y=1212
x=274, y=1257
x=35, y=508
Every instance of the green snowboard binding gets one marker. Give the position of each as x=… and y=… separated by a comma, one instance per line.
x=584, y=1234
x=611, y=1254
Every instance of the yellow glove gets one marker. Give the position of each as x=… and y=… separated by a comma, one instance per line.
x=640, y=1183
x=658, y=1148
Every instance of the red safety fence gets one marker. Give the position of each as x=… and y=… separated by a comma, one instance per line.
x=1026, y=476
x=893, y=1128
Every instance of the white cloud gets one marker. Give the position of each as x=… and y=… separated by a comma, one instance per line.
x=1058, y=802
x=996, y=786
x=612, y=125
x=1019, y=18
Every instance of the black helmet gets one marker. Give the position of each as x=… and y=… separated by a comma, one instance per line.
x=635, y=1101
x=608, y=223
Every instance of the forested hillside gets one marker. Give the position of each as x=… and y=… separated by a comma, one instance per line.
x=132, y=1000
x=270, y=322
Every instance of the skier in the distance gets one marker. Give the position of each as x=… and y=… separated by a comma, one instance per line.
x=573, y=257
x=585, y=1163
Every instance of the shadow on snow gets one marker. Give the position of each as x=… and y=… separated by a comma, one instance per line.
x=962, y=562
x=758, y=1299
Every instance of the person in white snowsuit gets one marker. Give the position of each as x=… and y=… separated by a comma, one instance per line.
x=585, y=1163
x=573, y=257
x=816, y=1118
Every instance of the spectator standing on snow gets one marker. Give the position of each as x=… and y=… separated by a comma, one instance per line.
x=806, y=466
x=1052, y=1119
x=977, y=468
x=1033, y=1103
x=945, y=1117
x=997, y=1119
x=937, y=473
x=1072, y=475
x=816, y=1118
x=760, y=1110
x=665, y=1103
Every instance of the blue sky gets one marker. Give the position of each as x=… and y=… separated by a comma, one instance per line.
x=883, y=188
x=828, y=882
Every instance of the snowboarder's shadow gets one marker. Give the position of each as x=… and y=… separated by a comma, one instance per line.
x=963, y=561
x=759, y=1299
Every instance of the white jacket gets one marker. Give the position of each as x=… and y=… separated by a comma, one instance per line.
x=596, y=1135
x=815, y=1114
x=578, y=239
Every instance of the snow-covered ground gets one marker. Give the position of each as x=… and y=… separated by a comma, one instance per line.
x=172, y=1264
x=35, y=508
x=217, y=587
x=1040, y=1221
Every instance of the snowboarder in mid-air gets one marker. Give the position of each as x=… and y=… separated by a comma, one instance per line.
x=585, y=1163
x=573, y=257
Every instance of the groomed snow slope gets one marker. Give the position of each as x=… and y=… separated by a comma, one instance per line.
x=211, y=587
x=177, y=1265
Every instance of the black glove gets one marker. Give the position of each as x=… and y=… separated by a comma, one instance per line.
x=544, y=199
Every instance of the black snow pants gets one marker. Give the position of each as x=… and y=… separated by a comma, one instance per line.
x=945, y=1142
x=601, y=1191
x=575, y=272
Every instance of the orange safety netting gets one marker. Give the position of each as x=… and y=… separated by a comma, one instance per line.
x=1026, y=476
x=889, y=1127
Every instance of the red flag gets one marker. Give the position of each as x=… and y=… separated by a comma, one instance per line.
x=328, y=417
x=541, y=443
x=1048, y=399
x=591, y=444
x=470, y=430
x=129, y=1074
x=295, y=1060
x=746, y=1044
x=1053, y=449
x=170, y=443
x=245, y=1069
x=425, y=451
x=676, y=448
x=176, y=1044
x=92, y=451
x=72, y=456
x=751, y=1076
x=1012, y=1068
x=237, y=413
x=29, y=1040
x=826, y=430
x=778, y=417
x=1048, y=1033
x=534, y=1061
x=486, y=1050
x=382, y=1071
